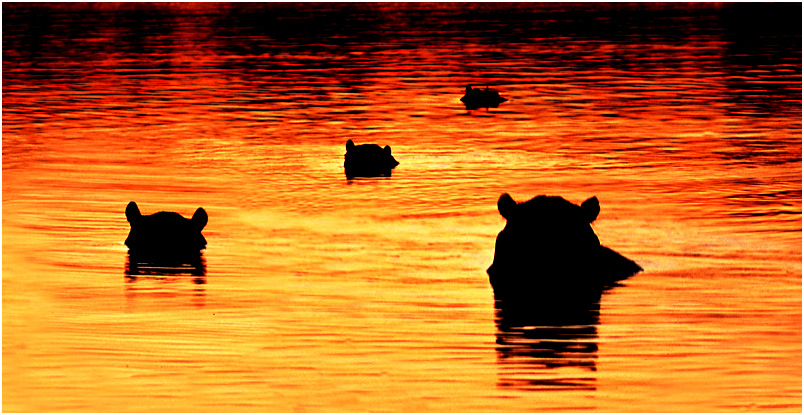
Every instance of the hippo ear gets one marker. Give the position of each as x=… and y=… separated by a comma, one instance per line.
x=387, y=150
x=350, y=145
x=200, y=218
x=590, y=209
x=506, y=205
x=132, y=212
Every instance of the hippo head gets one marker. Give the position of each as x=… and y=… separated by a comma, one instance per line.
x=368, y=160
x=548, y=241
x=165, y=232
x=544, y=234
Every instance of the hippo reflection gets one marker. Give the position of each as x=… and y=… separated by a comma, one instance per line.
x=542, y=347
x=368, y=160
x=165, y=234
x=153, y=266
x=160, y=277
x=547, y=252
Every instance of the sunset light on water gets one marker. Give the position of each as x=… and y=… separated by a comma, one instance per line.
x=322, y=293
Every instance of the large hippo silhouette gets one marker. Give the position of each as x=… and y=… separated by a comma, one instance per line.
x=548, y=253
x=368, y=160
x=165, y=234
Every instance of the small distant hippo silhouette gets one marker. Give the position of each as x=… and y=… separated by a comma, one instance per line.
x=368, y=160
x=548, y=251
x=476, y=98
x=165, y=233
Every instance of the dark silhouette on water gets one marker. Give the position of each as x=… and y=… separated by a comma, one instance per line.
x=368, y=160
x=548, y=254
x=549, y=275
x=165, y=246
x=165, y=236
x=481, y=98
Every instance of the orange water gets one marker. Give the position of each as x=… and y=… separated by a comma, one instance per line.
x=323, y=294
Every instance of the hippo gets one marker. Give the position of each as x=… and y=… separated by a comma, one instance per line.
x=165, y=233
x=368, y=160
x=549, y=253
x=475, y=98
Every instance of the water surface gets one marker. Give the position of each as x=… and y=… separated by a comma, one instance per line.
x=318, y=293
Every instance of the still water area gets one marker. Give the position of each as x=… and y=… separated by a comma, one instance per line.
x=318, y=293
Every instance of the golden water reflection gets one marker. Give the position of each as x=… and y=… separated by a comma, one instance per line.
x=319, y=294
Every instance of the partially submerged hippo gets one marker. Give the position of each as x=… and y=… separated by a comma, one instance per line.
x=165, y=233
x=548, y=250
x=475, y=98
x=368, y=160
